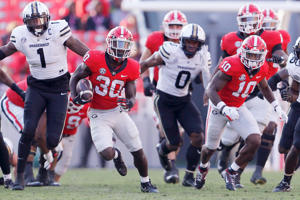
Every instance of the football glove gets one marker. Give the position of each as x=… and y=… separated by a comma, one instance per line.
x=49, y=159
x=125, y=104
x=149, y=88
x=282, y=115
x=276, y=59
x=230, y=112
x=80, y=100
x=284, y=91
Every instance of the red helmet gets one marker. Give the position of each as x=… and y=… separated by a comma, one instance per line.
x=119, y=43
x=249, y=18
x=271, y=20
x=173, y=17
x=253, y=52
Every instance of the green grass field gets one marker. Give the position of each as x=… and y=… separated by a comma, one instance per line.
x=98, y=184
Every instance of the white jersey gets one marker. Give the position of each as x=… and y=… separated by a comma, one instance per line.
x=179, y=70
x=293, y=67
x=46, y=55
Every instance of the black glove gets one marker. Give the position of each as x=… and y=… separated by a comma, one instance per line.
x=276, y=59
x=284, y=90
x=18, y=90
x=79, y=100
x=149, y=88
x=125, y=104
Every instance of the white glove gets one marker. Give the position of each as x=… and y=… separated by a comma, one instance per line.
x=230, y=112
x=282, y=115
x=49, y=159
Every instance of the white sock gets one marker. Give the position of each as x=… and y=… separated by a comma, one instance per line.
x=116, y=154
x=145, y=179
x=234, y=166
x=6, y=176
x=205, y=165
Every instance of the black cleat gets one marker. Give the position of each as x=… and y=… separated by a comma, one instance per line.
x=188, y=180
x=229, y=178
x=119, y=164
x=258, y=180
x=200, y=177
x=163, y=159
x=8, y=184
x=237, y=181
x=148, y=187
x=19, y=184
x=282, y=187
x=1, y=181
x=172, y=176
x=42, y=179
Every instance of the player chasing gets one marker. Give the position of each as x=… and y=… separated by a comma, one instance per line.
x=179, y=65
x=110, y=72
x=230, y=86
x=173, y=23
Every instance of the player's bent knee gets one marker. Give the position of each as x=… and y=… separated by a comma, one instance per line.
x=253, y=140
x=282, y=150
x=108, y=153
x=196, y=139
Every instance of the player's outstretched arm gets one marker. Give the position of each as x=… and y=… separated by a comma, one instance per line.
x=146, y=54
x=81, y=72
x=152, y=61
x=76, y=46
x=7, y=50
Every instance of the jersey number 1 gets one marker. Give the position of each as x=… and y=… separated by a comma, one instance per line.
x=40, y=51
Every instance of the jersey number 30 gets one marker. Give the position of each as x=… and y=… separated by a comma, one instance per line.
x=114, y=89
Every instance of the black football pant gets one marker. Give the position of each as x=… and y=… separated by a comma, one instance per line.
x=36, y=102
x=4, y=157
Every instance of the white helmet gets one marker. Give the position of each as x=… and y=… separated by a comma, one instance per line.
x=36, y=17
x=192, y=32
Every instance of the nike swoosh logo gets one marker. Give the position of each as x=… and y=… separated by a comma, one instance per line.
x=123, y=76
x=257, y=77
x=63, y=93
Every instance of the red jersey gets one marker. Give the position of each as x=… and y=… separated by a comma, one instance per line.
x=286, y=38
x=73, y=120
x=107, y=82
x=153, y=42
x=241, y=85
x=14, y=97
x=233, y=40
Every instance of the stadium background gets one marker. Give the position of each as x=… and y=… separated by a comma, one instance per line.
x=215, y=21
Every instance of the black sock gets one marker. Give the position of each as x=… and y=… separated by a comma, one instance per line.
x=163, y=150
x=4, y=157
x=264, y=150
x=287, y=179
x=173, y=164
x=28, y=174
x=23, y=152
x=192, y=157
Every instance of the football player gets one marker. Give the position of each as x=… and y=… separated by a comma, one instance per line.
x=172, y=24
x=44, y=43
x=230, y=86
x=249, y=20
x=110, y=72
x=270, y=22
x=290, y=139
x=179, y=65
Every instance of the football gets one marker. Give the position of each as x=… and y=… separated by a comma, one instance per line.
x=84, y=88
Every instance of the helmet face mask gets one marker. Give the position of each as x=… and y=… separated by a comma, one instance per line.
x=173, y=23
x=296, y=48
x=119, y=43
x=253, y=52
x=36, y=18
x=192, y=38
x=249, y=19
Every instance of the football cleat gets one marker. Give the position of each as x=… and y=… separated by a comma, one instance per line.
x=258, y=180
x=229, y=178
x=42, y=179
x=164, y=161
x=19, y=184
x=237, y=181
x=188, y=180
x=148, y=187
x=8, y=184
x=200, y=177
x=282, y=187
x=119, y=164
x=171, y=176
